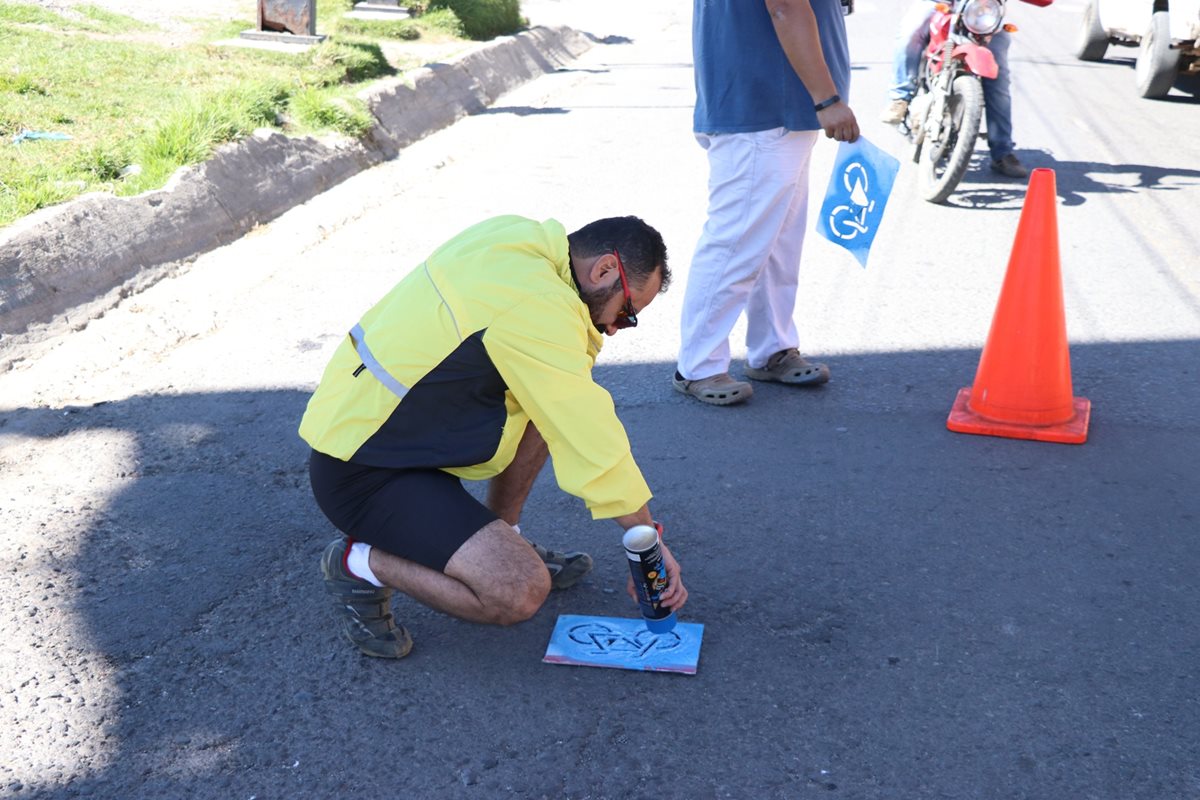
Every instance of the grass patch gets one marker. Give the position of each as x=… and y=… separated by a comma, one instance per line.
x=318, y=110
x=484, y=19
x=136, y=111
x=102, y=19
x=23, y=14
x=191, y=133
x=404, y=29
x=77, y=18
x=344, y=62
x=440, y=23
x=20, y=84
x=103, y=164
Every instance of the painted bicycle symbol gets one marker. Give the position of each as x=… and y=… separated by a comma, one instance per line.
x=848, y=221
x=603, y=640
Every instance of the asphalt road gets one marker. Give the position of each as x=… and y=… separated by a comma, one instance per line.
x=891, y=610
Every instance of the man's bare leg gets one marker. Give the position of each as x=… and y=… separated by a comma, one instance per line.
x=506, y=497
x=508, y=491
x=495, y=577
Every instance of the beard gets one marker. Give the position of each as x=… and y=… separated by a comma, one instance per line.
x=595, y=300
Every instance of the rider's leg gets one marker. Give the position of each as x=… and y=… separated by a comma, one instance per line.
x=998, y=101
x=494, y=577
x=911, y=40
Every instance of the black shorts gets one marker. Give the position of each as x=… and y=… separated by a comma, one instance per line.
x=423, y=515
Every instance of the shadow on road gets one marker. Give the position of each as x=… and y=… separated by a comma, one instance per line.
x=882, y=597
x=611, y=39
x=522, y=111
x=981, y=188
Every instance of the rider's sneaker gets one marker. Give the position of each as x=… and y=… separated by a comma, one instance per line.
x=566, y=569
x=365, y=609
x=895, y=113
x=1011, y=167
x=788, y=366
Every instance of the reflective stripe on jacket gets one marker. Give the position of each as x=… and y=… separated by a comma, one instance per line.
x=449, y=367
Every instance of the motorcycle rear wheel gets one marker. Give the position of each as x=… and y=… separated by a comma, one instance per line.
x=943, y=163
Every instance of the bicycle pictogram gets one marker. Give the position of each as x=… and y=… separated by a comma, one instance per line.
x=603, y=640
x=847, y=221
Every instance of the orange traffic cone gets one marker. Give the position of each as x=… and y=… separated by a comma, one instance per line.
x=1022, y=388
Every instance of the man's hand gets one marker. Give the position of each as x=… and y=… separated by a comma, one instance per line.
x=839, y=122
x=676, y=594
x=796, y=27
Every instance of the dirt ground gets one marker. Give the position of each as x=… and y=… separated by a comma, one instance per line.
x=177, y=22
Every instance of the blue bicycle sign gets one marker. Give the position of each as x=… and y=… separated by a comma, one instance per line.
x=857, y=195
x=850, y=219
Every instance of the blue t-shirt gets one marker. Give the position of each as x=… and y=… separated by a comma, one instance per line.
x=744, y=81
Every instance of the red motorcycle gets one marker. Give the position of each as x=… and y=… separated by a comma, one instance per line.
x=944, y=116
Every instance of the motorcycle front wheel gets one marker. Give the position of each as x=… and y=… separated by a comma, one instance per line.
x=944, y=161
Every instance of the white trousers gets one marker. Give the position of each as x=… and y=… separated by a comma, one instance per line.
x=748, y=256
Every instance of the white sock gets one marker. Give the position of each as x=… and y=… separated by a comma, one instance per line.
x=517, y=528
x=359, y=563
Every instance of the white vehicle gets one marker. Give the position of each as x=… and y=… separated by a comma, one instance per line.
x=1167, y=33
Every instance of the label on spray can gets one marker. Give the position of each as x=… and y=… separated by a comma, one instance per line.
x=642, y=547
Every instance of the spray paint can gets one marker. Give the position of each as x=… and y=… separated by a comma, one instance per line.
x=644, y=550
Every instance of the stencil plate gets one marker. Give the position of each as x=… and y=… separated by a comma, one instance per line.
x=624, y=644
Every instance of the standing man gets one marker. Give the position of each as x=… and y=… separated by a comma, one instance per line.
x=478, y=365
x=769, y=77
x=911, y=42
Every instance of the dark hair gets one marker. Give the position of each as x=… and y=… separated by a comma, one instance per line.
x=641, y=247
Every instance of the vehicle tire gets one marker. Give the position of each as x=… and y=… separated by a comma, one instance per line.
x=944, y=163
x=1092, y=41
x=1157, y=63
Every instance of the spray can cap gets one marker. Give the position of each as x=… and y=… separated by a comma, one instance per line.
x=640, y=538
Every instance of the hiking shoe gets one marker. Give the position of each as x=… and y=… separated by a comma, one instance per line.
x=719, y=390
x=788, y=366
x=1011, y=167
x=895, y=113
x=365, y=609
x=566, y=569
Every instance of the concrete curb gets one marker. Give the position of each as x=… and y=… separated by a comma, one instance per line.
x=99, y=245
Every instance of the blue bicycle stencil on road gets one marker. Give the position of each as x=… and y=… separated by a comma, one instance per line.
x=603, y=639
x=857, y=196
x=624, y=643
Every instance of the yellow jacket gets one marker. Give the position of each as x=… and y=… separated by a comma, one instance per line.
x=488, y=334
